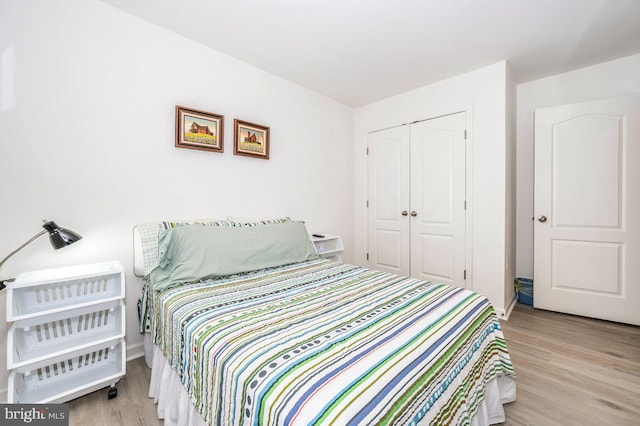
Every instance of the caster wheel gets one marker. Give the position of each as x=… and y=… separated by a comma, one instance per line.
x=113, y=392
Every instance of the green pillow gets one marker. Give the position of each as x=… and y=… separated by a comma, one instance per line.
x=192, y=253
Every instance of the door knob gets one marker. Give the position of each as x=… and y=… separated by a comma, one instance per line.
x=542, y=219
x=404, y=212
x=414, y=213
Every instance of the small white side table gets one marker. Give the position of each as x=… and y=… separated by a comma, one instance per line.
x=67, y=337
x=329, y=246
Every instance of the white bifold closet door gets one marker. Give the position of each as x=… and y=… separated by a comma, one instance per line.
x=438, y=200
x=388, y=169
x=417, y=200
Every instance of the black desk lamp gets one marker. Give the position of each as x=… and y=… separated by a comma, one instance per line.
x=59, y=237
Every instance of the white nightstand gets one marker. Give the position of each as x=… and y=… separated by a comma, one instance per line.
x=67, y=337
x=328, y=246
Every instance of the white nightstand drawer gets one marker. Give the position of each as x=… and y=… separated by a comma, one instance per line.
x=62, y=380
x=47, y=292
x=42, y=338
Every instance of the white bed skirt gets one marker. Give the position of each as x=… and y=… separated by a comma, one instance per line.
x=175, y=407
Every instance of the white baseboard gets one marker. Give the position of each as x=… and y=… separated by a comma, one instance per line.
x=504, y=315
x=135, y=351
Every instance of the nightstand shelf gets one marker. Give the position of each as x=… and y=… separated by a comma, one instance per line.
x=69, y=377
x=68, y=333
x=329, y=246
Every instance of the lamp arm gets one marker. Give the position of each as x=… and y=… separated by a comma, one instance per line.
x=35, y=237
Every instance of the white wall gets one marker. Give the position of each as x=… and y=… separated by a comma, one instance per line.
x=87, y=98
x=609, y=79
x=483, y=94
x=510, y=214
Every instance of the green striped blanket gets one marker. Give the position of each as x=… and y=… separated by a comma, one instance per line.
x=326, y=343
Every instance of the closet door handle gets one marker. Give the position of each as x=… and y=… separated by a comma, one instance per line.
x=404, y=213
x=414, y=213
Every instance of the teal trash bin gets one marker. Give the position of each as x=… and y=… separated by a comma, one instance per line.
x=524, y=290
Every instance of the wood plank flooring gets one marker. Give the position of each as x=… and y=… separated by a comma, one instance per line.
x=570, y=371
x=132, y=406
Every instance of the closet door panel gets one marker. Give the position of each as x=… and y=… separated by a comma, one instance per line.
x=436, y=166
x=437, y=257
x=437, y=200
x=388, y=168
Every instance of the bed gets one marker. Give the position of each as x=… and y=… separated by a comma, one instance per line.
x=245, y=324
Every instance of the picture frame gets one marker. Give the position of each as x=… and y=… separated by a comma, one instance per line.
x=196, y=129
x=251, y=139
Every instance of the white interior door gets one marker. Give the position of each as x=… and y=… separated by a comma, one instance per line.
x=587, y=209
x=438, y=200
x=388, y=168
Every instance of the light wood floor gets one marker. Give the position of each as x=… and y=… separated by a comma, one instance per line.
x=131, y=406
x=570, y=371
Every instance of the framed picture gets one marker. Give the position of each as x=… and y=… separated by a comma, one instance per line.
x=250, y=139
x=199, y=130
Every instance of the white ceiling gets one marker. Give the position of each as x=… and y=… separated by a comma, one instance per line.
x=361, y=51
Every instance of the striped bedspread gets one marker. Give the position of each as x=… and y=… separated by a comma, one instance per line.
x=327, y=343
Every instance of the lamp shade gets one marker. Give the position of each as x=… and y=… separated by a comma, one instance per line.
x=60, y=237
